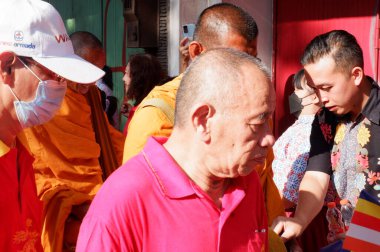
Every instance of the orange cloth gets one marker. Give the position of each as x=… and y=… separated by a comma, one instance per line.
x=272, y=196
x=66, y=164
x=275, y=242
x=272, y=199
x=110, y=155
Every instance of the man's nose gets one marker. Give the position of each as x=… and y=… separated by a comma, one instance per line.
x=324, y=99
x=268, y=138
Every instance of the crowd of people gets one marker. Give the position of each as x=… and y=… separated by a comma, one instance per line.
x=194, y=169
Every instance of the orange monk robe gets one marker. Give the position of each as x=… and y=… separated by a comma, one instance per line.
x=66, y=163
x=272, y=196
x=272, y=199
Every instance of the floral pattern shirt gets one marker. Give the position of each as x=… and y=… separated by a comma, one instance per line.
x=349, y=151
x=291, y=153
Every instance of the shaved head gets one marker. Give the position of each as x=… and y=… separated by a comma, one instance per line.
x=89, y=47
x=85, y=42
x=215, y=77
x=220, y=20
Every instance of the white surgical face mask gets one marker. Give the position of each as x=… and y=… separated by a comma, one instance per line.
x=48, y=99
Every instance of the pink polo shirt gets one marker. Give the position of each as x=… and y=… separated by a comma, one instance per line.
x=149, y=204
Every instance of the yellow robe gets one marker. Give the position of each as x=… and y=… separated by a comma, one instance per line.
x=67, y=168
x=150, y=121
x=273, y=201
x=272, y=197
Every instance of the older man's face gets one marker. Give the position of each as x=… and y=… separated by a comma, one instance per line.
x=28, y=82
x=241, y=135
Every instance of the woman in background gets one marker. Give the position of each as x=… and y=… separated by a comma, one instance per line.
x=291, y=150
x=142, y=74
x=291, y=154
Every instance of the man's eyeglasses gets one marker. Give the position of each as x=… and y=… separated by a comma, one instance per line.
x=50, y=74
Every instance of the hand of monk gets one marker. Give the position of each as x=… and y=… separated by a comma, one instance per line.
x=287, y=228
x=184, y=47
x=184, y=52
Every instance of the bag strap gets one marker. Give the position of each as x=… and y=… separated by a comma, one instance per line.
x=163, y=106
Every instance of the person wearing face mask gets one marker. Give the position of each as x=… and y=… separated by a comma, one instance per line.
x=48, y=98
x=291, y=154
x=344, y=138
x=36, y=59
x=291, y=150
x=71, y=153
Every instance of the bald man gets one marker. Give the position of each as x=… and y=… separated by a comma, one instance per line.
x=67, y=167
x=197, y=190
x=221, y=25
x=89, y=47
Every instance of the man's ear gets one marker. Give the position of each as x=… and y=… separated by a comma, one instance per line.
x=358, y=75
x=7, y=62
x=201, y=121
x=195, y=49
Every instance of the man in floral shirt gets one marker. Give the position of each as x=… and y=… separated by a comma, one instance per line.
x=344, y=133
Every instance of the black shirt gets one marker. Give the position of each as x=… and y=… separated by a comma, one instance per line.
x=349, y=151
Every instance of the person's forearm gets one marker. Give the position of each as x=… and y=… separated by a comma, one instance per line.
x=312, y=192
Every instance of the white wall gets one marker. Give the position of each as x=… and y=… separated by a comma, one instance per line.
x=262, y=12
x=182, y=12
x=173, y=38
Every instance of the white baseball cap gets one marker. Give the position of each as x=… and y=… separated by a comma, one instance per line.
x=33, y=28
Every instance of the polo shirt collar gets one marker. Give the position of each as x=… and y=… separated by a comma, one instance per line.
x=173, y=181
x=372, y=108
x=4, y=149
